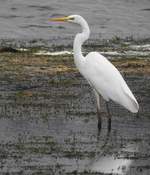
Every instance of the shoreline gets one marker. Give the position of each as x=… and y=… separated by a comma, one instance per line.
x=53, y=64
x=66, y=43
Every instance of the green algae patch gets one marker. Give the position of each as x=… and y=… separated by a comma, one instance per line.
x=62, y=81
x=25, y=93
x=36, y=145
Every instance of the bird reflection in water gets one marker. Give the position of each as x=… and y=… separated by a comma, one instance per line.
x=112, y=161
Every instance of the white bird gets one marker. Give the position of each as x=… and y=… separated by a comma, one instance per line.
x=101, y=74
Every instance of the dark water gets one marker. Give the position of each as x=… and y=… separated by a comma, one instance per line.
x=28, y=20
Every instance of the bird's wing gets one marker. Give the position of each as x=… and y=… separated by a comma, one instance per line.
x=107, y=81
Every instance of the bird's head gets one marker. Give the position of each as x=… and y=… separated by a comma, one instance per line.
x=72, y=18
x=77, y=19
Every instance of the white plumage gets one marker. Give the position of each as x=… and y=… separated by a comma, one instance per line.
x=108, y=81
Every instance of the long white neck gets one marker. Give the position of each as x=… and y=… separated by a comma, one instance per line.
x=79, y=40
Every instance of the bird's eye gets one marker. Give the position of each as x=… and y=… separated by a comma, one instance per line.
x=72, y=18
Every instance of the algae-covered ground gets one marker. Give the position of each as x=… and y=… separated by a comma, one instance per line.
x=48, y=123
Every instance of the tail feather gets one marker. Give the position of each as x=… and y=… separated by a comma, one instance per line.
x=131, y=104
x=130, y=101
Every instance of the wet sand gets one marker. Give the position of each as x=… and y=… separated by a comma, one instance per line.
x=48, y=123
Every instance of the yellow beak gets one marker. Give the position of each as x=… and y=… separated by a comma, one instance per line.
x=62, y=19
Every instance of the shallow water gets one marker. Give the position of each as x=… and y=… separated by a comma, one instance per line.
x=28, y=20
x=48, y=123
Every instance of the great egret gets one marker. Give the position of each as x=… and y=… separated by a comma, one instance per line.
x=101, y=74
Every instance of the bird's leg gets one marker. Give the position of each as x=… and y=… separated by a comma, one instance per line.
x=98, y=111
x=109, y=117
x=99, y=118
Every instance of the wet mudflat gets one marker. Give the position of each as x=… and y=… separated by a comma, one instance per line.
x=48, y=122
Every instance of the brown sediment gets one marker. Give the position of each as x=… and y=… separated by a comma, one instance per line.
x=24, y=63
x=133, y=66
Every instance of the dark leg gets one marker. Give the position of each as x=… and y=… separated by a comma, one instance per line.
x=99, y=119
x=98, y=111
x=109, y=117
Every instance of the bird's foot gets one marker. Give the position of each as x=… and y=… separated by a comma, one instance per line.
x=99, y=117
x=109, y=124
x=99, y=125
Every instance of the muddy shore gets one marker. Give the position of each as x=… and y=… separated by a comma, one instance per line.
x=48, y=121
